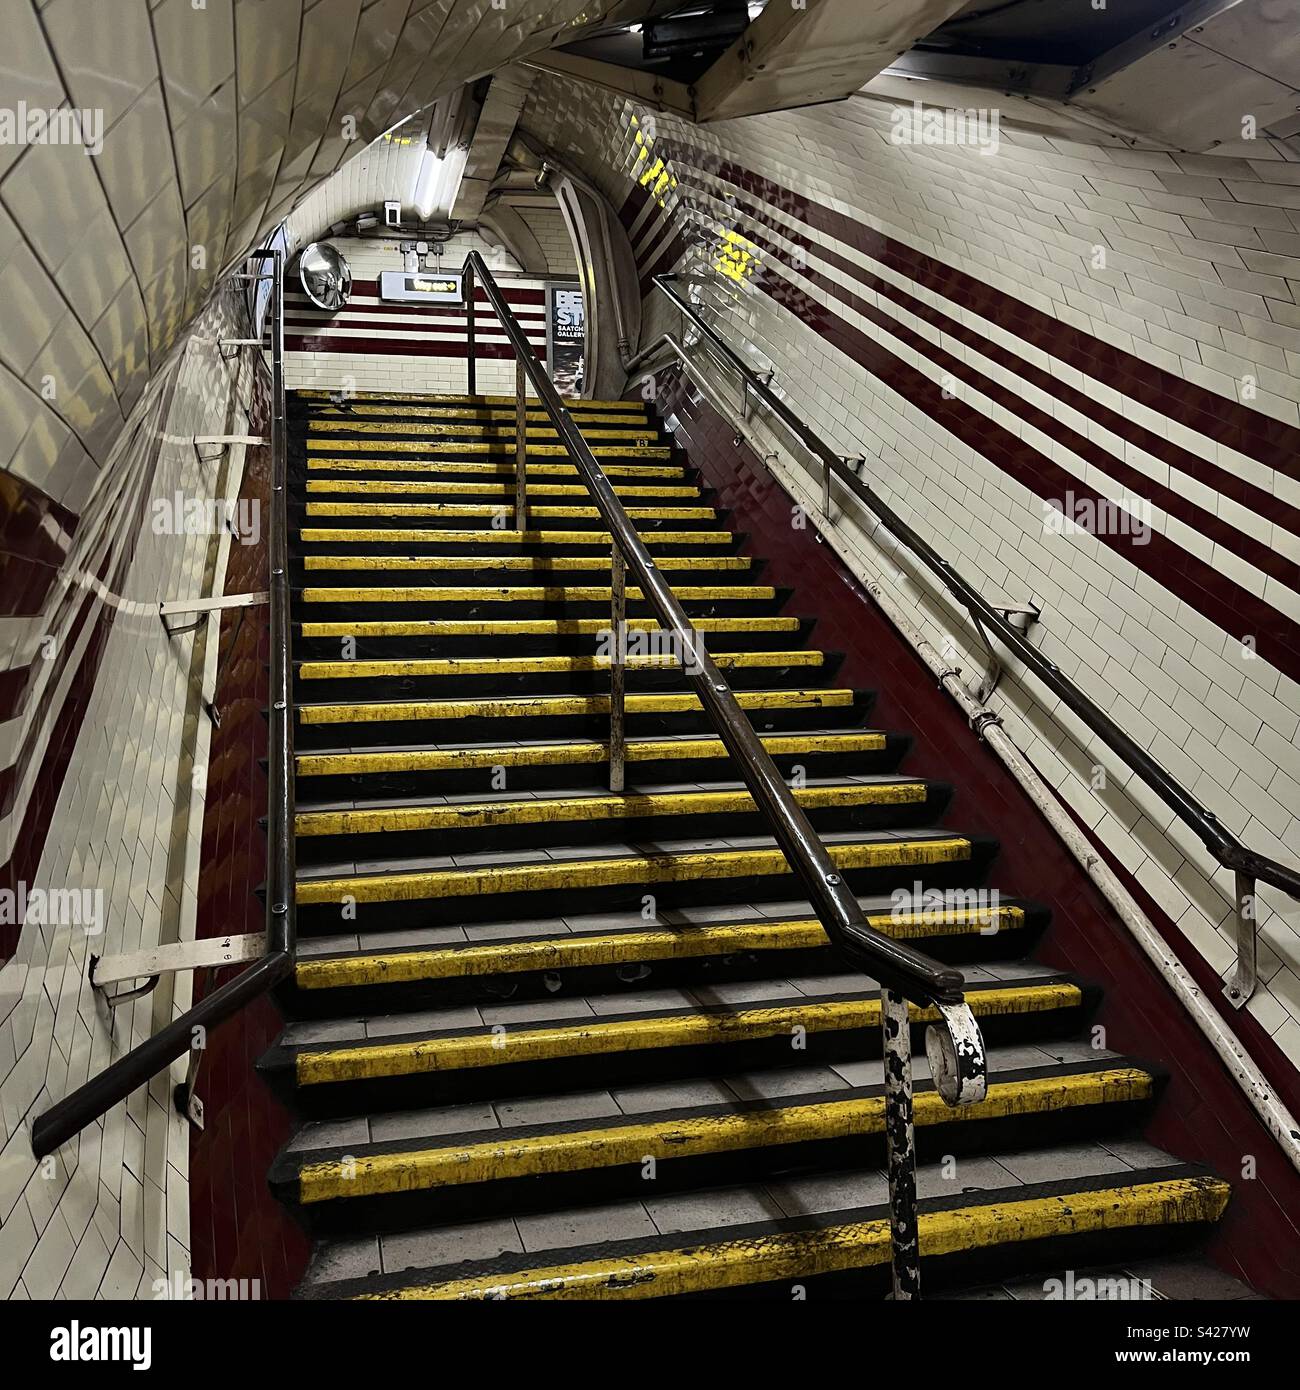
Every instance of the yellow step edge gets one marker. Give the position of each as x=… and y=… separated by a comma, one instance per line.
x=538, y=665
x=381, y=487
x=576, y=752
x=795, y=1255
x=650, y=867
x=663, y=1140
x=516, y=562
x=433, y=398
x=640, y=433
x=437, y=536
x=560, y=706
x=316, y=464
x=499, y=509
x=688, y=942
x=527, y=594
x=429, y=447
x=484, y=815
x=530, y=627
x=611, y=1038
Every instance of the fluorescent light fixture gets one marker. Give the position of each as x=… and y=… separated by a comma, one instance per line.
x=438, y=180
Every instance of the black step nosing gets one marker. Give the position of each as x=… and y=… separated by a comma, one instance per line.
x=291, y=1161
x=710, y=1010
x=516, y=1262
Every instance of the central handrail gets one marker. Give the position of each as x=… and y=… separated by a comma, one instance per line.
x=895, y=964
x=955, y=1046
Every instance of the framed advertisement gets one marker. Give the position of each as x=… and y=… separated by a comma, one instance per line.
x=566, y=338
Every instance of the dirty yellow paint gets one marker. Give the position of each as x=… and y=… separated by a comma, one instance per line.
x=611, y=1146
x=538, y=665
x=528, y=594
x=384, y=487
x=609, y=1038
x=559, y=706
x=530, y=627
x=438, y=536
x=650, y=867
x=803, y=1254
x=688, y=942
x=503, y=510
x=505, y=469
x=516, y=562
x=483, y=815
x=642, y=432
x=434, y=413
x=431, y=449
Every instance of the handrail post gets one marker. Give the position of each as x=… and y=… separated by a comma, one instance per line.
x=521, y=446
x=471, y=348
x=1245, y=976
x=900, y=1145
x=617, y=670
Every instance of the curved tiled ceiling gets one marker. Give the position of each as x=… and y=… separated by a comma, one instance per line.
x=218, y=116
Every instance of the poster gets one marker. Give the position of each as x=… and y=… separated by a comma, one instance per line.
x=566, y=338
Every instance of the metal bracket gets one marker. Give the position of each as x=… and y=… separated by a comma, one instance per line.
x=1030, y=613
x=236, y=343
x=206, y=606
x=1245, y=977
x=152, y=964
x=223, y=442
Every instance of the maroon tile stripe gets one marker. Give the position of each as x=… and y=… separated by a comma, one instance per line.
x=1214, y=595
x=1209, y=524
x=1226, y=421
x=1222, y=480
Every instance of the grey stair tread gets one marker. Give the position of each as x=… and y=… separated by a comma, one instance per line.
x=606, y=850
x=570, y=1228
x=642, y=1098
x=575, y=1007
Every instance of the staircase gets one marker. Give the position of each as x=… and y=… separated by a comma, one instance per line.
x=550, y=1042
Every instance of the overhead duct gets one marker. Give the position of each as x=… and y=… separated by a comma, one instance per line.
x=496, y=125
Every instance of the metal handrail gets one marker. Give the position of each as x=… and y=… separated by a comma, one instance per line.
x=187, y=1034
x=955, y=1048
x=892, y=963
x=1248, y=865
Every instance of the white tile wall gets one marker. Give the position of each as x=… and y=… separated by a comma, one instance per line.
x=109, y=1213
x=1184, y=286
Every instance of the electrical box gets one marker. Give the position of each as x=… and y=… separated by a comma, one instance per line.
x=392, y=213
